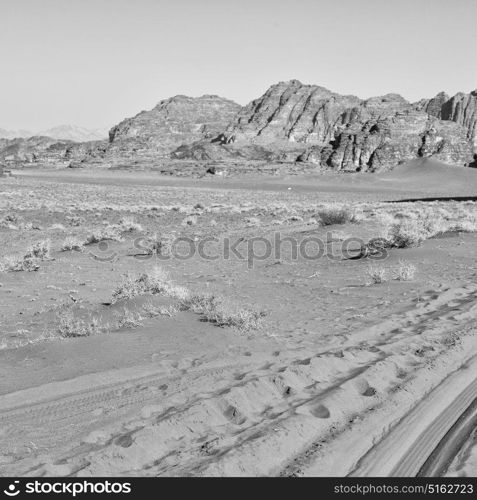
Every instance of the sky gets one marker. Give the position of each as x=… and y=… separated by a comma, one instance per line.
x=92, y=63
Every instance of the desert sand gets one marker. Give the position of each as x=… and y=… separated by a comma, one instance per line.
x=117, y=361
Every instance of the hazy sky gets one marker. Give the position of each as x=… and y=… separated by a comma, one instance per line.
x=94, y=62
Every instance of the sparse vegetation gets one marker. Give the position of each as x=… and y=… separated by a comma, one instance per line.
x=377, y=274
x=405, y=271
x=152, y=311
x=129, y=319
x=72, y=243
x=155, y=282
x=29, y=261
x=108, y=233
x=39, y=250
x=70, y=326
x=336, y=214
x=224, y=313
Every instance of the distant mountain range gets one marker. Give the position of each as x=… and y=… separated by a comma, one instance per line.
x=290, y=122
x=61, y=132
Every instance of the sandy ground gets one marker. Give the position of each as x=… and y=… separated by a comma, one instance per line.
x=336, y=360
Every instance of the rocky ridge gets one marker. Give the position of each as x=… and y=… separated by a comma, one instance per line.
x=296, y=122
x=291, y=122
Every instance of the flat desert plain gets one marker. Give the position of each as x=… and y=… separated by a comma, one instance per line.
x=286, y=325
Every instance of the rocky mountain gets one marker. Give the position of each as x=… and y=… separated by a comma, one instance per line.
x=173, y=122
x=296, y=122
x=40, y=150
x=291, y=122
x=12, y=134
x=75, y=133
x=461, y=109
x=61, y=133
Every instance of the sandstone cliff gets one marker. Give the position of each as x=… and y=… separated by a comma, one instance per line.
x=461, y=109
x=296, y=122
x=291, y=122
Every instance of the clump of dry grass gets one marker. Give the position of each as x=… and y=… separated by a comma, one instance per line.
x=29, y=261
x=128, y=224
x=72, y=243
x=223, y=313
x=71, y=327
x=39, y=250
x=191, y=220
x=336, y=214
x=154, y=282
x=405, y=271
x=405, y=234
x=152, y=311
x=129, y=319
x=161, y=245
x=16, y=263
x=376, y=274
x=108, y=233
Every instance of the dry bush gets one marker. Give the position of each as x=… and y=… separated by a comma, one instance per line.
x=154, y=282
x=70, y=327
x=108, y=233
x=29, y=261
x=161, y=245
x=376, y=274
x=224, y=313
x=191, y=220
x=152, y=311
x=39, y=250
x=405, y=271
x=129, y=319
x=336, y=214
x=128, y=224
x=15, y=263
x=72, y=243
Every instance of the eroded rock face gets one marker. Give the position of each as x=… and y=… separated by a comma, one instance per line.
x=461, y=109
x=39, y=150
x=172, y=123
x=345, y=132
x=290, y=122
x=293, y=112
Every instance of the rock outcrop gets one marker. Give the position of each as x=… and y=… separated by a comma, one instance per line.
x=38, y=150
x=291, y=122
x=296, y=122
x=172, y=123
x=461, y=109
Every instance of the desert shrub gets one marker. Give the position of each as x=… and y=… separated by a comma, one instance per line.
x=108, y=233
x=433, y=225
x=406, y=233
x=162, y=245
x=72, y=243
x=336, y=215
x=223, y=313
x=15, y=263
x=70, y=327
x=153, y=311
x=128, y=224
x=129, y=319
x=30, y=261
x=376, y=274
x=39, y=250
x=468, y=225
x=191, y=220
x=154, y=282
x=405, y=271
